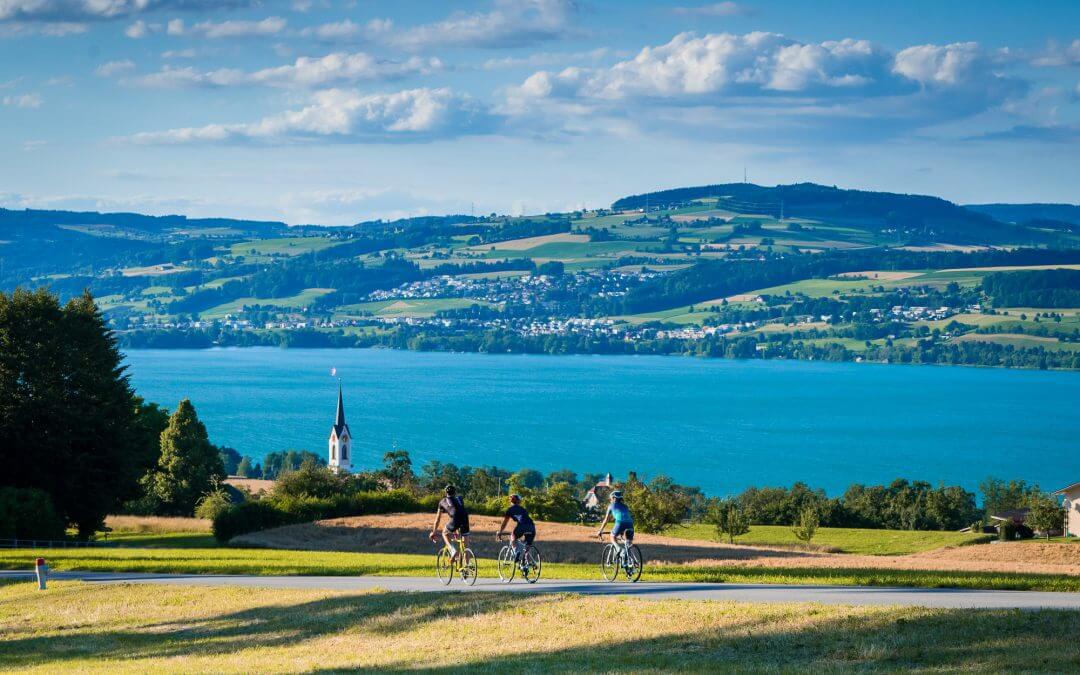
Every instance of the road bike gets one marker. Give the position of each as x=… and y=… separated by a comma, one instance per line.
x=463, y=565
x=623, y=557
x=527, y=560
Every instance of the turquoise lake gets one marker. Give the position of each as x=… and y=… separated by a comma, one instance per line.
x=720, y=424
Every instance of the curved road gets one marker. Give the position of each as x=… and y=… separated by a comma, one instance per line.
x=838, y=595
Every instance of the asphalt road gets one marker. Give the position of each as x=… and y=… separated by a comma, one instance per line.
x=837, y=595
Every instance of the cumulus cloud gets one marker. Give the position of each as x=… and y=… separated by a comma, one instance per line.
x=328, y=70
x=512, y=23
x=22, y=101
x=271, y=25
x=717, y=9
x=113, y=68
x=733, y=86
x=337, y=115
x=1056, y=55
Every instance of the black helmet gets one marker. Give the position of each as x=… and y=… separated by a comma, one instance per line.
x=515, y=499
x=616, y=494
x=450, y=490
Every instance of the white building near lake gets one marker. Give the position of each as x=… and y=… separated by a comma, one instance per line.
x=340, y=440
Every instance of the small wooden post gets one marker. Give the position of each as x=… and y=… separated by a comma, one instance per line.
x=42, y=571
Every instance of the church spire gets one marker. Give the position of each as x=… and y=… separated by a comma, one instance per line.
x=339, y=421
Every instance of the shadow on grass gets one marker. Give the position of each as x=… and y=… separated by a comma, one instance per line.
x=900, y=639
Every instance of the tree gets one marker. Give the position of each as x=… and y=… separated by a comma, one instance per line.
x=69, y=424
x=189, y=465
x=728, y=518
x=435, y=475
x=486, y=482
x=312, y=480
x=1045, y=514
x=397, y=470
x=562, y=476
x=245, y=469
x=807, y=524
x=526, y=479
x=289, y=460
x=657, y=506
x=230, y=459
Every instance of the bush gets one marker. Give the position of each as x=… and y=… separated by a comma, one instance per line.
x=1007, y=530
x=213, y=504
x=248, y=517
x=728, y=518
x=656, y=506
x=27, y=513
x=312, y=480
x=806, y=526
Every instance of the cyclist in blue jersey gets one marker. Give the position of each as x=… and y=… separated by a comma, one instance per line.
x=618, y=512
x=524, y=528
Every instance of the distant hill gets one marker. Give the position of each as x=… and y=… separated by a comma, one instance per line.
x=1022, y=213
x=924, y=217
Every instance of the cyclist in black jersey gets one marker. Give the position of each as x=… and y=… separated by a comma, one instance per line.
x=524, y=528
x=457, y=518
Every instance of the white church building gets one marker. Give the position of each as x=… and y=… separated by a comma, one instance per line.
x=340, y=440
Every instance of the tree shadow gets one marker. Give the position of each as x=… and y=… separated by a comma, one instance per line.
x=266, y=626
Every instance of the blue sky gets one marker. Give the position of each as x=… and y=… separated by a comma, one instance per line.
x=325, y=112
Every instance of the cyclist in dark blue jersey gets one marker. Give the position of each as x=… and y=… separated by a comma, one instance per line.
x=524, y=527
x=458, y=518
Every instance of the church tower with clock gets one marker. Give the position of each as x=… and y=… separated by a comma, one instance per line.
x=340, y=440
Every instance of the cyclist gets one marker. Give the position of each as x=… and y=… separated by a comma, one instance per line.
x=524, y=529
x=624, y=520
x=458, y=518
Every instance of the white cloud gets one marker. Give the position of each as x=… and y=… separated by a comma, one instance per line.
x=271, y=25
x=691, y=67
x=546, y=59
x=331, y=69
x=337, y=115
x=137, y=30
x=113, y=68
x=1056, y=55
x=939, y=64
x=179, y=54
x=512, y=23
x=717, y=9
x=348, y=31
x=23, y=101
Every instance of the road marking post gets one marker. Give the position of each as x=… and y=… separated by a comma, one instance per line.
x=42, y=571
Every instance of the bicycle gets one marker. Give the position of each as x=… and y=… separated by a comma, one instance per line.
x=528, y=561
x=464, y=565
x=624, y=557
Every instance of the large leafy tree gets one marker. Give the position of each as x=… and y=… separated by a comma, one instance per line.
x=189, y=466
x=70, y=424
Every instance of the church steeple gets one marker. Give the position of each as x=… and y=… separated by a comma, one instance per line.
x=340, y=443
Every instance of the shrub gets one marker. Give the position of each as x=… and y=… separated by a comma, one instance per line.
x=656, y=506
x=806, y=526
x=311, y=480
x=214, y=503
x=248, y=517
x=1007, y=530
x=27, y=513
x=728, y=518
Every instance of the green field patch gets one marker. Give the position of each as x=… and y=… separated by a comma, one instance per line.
x=283, y=246
x=153, y=270
x=840, y=539
x=302, y=299
x=1019, y=340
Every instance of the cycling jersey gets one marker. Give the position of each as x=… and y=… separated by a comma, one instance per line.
x=621, y=513
x=519, y=515
x=454, y=507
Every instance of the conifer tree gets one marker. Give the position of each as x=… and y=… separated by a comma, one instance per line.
x=189, y=465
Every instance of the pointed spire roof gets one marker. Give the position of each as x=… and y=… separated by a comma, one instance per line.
x=339, y=420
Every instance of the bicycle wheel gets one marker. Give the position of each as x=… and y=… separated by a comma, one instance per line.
x=609, y=562
x=444, y=567
x=468, y=567
x=507, y=566
x=634, y=564
x=530, y=564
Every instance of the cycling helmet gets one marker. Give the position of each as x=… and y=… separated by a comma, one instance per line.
x=515, y=499
x=616, y=494
x=450, y=490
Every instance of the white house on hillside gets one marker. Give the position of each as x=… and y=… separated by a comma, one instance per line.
x=1071, y=502
x=340, y=440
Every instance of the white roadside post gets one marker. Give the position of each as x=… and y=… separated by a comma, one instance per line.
x=42, y=573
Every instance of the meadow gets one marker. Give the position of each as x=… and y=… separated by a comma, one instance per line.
x=839, y=539
x=153, y=556
x=289, y=246
x=148, y=628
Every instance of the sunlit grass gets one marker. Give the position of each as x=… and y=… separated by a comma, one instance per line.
x=147, y=628
x=839, y=539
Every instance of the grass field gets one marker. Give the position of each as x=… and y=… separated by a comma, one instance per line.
x=283, y=246
x=301, y=299
x=224, y=560
x=840, y=539
x=146, y=628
